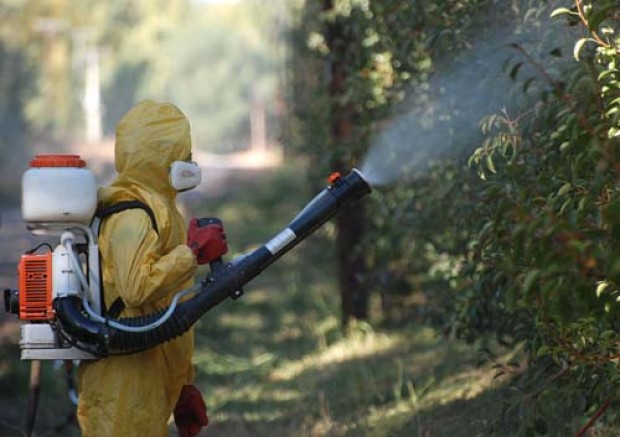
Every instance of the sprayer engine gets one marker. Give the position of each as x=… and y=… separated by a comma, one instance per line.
x=43, y=277
x=58, y=200
x=59, y=291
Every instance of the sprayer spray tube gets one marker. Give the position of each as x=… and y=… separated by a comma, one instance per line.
x=219, y=285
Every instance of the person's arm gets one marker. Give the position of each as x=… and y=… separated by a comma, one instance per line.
x=141, y=273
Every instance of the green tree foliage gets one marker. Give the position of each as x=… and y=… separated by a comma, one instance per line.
x=51, y=38
x=547, y=252
x=217, y=62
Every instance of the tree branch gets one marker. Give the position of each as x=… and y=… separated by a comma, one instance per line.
x=594, y=418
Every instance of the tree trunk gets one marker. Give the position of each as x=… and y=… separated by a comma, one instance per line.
x=351, y=265
x=350, y=223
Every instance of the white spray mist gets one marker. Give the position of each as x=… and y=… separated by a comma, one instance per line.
x=461, y=94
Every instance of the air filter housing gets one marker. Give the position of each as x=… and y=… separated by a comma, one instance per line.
x=35, y=287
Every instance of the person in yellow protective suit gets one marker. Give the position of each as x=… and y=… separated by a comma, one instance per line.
x=135, y=394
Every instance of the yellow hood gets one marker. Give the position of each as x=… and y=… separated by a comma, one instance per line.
x=149, y=138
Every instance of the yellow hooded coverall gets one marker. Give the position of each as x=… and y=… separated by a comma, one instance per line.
x=134, y=395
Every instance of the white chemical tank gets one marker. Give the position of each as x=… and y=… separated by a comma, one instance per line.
x=58, y=189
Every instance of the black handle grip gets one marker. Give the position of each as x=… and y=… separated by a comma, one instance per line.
x=207, y=221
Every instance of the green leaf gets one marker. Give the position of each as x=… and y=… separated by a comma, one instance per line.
x=490, y=164
x=599, y=15
x=562, y=11
x=527, y=83
x=578, y=46
x=531, y=277
x=565, y=205
x=515, y=70
x=581, y=205
x=564, y=189
x=600, y=288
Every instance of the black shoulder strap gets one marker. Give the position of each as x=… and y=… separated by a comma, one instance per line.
x=127, y=204
x=101, y=213
x=115, y=309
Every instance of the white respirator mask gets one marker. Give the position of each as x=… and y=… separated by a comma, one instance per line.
x=184, y=175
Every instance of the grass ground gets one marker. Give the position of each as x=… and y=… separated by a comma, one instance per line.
x=276, y=363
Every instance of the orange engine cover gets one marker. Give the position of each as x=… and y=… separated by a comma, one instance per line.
x=35, y=287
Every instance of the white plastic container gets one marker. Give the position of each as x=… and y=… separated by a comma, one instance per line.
x=58, y=189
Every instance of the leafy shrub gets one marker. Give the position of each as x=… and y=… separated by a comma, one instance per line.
x=548, y=246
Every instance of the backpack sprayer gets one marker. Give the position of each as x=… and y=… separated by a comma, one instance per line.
x=59, y=294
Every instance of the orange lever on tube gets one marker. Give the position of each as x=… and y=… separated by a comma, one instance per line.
x=334, y=177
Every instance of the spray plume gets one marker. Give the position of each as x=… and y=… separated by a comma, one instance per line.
x=443, y=122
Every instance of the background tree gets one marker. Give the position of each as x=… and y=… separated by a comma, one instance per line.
x=232, y=69
x=367, y=57
x=230, y=54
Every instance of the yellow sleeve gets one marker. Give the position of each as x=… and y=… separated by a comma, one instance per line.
x=140, y=272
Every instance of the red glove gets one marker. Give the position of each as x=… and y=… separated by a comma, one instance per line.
x=207, y=242
x=190, y=413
